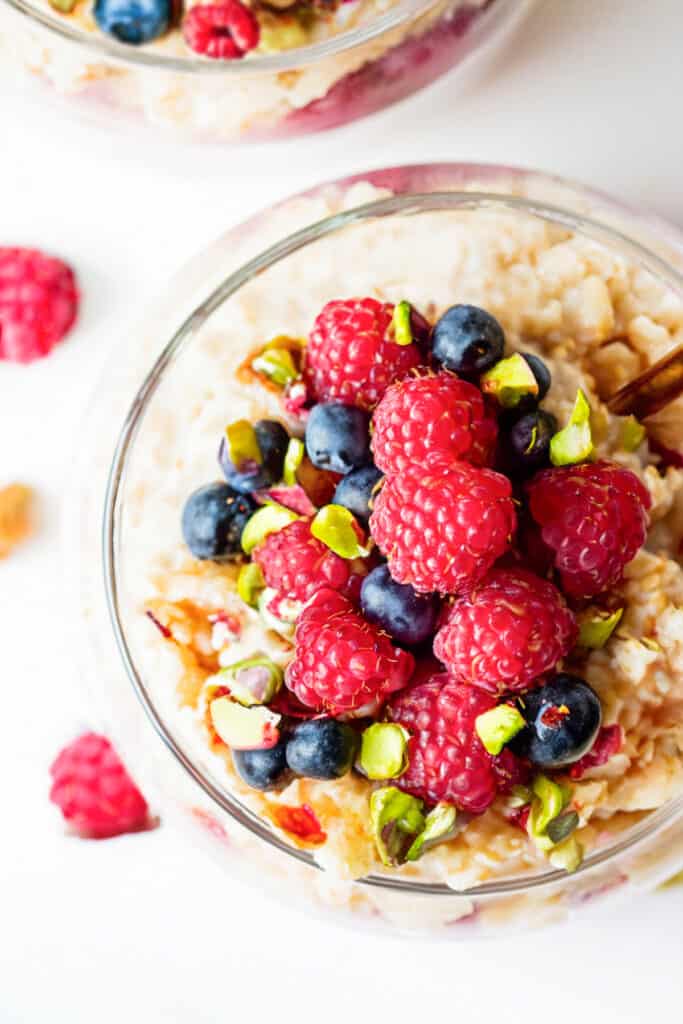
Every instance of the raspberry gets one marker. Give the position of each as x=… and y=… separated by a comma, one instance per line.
x=38, y=303
x=296, y=564
x=507, y=632
x=222, y=31
x=350, y=356
x=609, y=742
x=432, y=421
x=443, y=531
x=94, y=791
x=446, y=759
x=594, y=519
x=342, y=663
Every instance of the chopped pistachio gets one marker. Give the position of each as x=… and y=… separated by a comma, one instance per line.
x=397, y=820
x=509, y=381
x=497, y=727
x=519, y=796
x=336, y=527
x=253, y=680
x=561, y=828
x=574, y=443
x=549, y=801
x=383, y=751
x=439, y=826
x=293, y=459
x=266, y=520
x=242, y=444
x=651, y=644
x=403, y=331
x=595, y=630
x=63, y=6
x=632, y=434
x=283, y=627
x=567, y=855
x=672, y=882
x=250, y=583
x=281, y=32
x=243, y=728
x=277, y=365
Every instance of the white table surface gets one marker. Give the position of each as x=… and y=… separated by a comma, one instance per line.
x=96, y=932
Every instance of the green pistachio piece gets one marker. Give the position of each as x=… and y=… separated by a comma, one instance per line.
x=568, y=855
x=243, y=728
x=549, y=801
x=509, y=381
x=400, y=321
x=673, y=882
x=519, y=796
x=397, y=820
x=283, y=627
x=277, y=365
x=281, y=32
x=595, y=631
x=266, y=520
x=63, y=6
x=632, y=434
x=439, y=826
x=561, y=828
x=383, y=751
x=250, y=583
x=293, y=459
x=253, y=680
x=242, y=443
x=336, y=527
x=574, y=443
x=497, y=727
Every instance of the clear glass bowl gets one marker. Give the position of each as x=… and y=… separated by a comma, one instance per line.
x=312, y=88
x=147, y=402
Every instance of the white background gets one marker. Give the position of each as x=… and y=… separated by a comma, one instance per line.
x=144, y=927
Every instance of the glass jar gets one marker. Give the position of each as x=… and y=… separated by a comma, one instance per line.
x=383, y=229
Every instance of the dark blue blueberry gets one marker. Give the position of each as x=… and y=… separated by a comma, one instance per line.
x=338, y=437
x=272, y=439
x=541, y=373
x=262, y=769
x=467, y=340
x=355, y=491
x=525, y=444
x=408, y=617
x=213, y=520
x=322, y=748
x=563, y=719
x=134, y=21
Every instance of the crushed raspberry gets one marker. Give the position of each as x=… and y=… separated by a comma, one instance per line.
x=443, y=531
x=297, y=564
x=38, y=303
x=432, y=421
x=609, y=742
x=294, y=498
x=343, y=663
x=222, y=31
x=300, y=822
x=351, y=357
x=94, y=791
x=164, y=630
x=594, y=518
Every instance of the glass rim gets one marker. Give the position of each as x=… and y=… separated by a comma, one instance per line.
x=289, y=60
x=405, y=204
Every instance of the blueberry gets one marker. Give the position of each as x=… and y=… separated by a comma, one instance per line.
x=212, y=522
x=355, y=491
x=338, y=437
x=408, y=617
x=134, y=21
x=322, y=748
x=272, y=439
x=563, y=719
x=526, y=445
x=541, y=373
x=467, y=340
x=262, y=769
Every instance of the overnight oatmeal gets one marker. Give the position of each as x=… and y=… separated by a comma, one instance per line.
x=423, y=616
x=233, y=68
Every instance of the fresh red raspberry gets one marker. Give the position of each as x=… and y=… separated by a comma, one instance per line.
x=38, y=303
x=506, y=632
x=296, y=564
x=350, y=356
x=343, y=663
x=94, y=791
x=432, y=421
x=222, y=31
x=446, y=759
x=594, y=518
x=609, y=742
x=443, y=531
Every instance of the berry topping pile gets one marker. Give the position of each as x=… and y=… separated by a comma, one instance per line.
x=422, y=544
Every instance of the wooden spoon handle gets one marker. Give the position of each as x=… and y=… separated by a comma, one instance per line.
x=661, y=384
